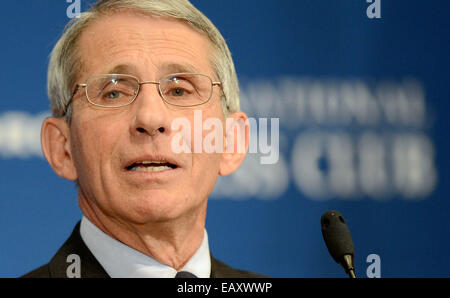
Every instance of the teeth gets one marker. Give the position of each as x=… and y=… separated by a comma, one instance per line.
x=150, y=169
x=152, y=161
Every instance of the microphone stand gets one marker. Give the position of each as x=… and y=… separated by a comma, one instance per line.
x=347, y=263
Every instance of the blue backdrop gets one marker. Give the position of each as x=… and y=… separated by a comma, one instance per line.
x=362, y=105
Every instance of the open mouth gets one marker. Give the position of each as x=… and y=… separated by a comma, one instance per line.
x=151, y=166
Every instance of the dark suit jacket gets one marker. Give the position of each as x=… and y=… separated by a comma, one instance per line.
x=91, y=268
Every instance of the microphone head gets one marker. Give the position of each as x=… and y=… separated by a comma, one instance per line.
x=336, y=235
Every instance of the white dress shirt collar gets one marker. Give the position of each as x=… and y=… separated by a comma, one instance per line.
x=120, y=260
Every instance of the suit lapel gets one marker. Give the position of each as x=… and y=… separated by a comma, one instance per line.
x=69, y=253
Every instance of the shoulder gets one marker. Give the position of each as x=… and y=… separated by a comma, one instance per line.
x=41, y=272
x=222, y=270
x=85, y=265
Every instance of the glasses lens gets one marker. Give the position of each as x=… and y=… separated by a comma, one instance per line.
x=185, y=89
x=111, y=90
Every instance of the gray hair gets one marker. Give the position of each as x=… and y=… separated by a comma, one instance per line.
x=65, y=65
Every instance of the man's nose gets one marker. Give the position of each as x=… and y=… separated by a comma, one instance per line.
x=150, y=112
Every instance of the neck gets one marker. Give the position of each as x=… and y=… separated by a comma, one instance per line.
x=170, y=242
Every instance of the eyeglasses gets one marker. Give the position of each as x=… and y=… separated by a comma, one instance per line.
x=118, y=90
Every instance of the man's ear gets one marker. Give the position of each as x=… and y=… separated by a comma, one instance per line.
x=55, y=141
x=236, y=142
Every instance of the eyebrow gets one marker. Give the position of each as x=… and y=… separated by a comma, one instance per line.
x=165, y=68
x=175, y=67
x=122, y=69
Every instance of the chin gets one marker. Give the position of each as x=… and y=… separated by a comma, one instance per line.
x=146, y=209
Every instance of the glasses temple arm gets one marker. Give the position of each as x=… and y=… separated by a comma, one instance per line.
x=73, y=94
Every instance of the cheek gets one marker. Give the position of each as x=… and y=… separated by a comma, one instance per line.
x=206, y=130
x=206, y=164
x=90, y=147
x=204, y=173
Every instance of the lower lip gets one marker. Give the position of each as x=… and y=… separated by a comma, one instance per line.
x=160, y=175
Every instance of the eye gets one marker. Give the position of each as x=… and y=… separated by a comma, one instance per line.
x=178, y=86
x=177, y=92
x=113, y=94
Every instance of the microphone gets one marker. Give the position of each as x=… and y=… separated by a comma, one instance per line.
x=338, y=240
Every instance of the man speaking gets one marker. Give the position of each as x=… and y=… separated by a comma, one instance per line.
x=119, y=77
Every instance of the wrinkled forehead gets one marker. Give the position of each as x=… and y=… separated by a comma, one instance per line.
x=142, y=43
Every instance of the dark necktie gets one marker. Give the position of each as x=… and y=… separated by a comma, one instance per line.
x=184, y=274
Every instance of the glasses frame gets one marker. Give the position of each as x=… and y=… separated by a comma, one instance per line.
x=84, y=85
